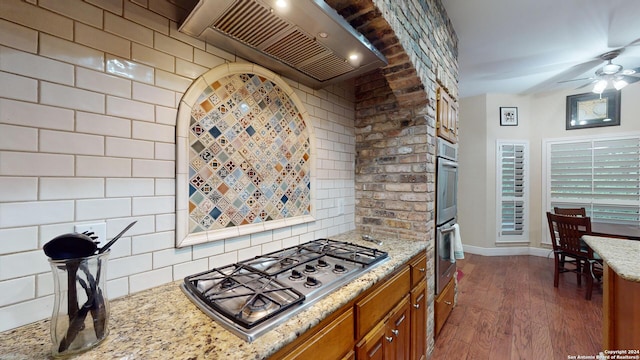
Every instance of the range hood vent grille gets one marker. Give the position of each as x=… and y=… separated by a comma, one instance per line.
x=286, y=42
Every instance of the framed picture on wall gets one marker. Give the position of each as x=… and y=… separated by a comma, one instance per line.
x=508, y=116
x=593, y=110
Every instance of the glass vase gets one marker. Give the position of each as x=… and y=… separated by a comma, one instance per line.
x=81, y=309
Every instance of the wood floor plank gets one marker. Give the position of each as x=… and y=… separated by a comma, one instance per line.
x=508, y=309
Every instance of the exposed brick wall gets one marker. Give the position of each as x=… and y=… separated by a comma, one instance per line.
x=395, y=120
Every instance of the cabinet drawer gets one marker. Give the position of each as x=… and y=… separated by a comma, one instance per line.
x=443, y=306
x=371, y=309
x=418, y=269
x=332, y=342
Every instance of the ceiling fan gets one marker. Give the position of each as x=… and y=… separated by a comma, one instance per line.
x=610, y=75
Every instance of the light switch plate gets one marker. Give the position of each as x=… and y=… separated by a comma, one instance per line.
x=99, y=229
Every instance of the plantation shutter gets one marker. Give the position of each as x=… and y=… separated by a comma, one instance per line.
x=512, y=190
x=601, y=175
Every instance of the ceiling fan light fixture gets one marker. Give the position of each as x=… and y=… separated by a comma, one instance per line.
x=619, y=84
x=599, y=87
x=610, y=69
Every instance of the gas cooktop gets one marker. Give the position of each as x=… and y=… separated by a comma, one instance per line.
x=253, y=296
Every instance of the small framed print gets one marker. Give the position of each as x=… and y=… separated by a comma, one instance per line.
x=508, y=116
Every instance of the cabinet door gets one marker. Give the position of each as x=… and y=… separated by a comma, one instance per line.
x=419, y=321
x=446, y=116
x=398, y=332
x=372, y=345
x=443, y=306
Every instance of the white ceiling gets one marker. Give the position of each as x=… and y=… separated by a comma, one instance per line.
x=527, y=46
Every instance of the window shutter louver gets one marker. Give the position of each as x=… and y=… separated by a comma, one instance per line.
x=512, y=191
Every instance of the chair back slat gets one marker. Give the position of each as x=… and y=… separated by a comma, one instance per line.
x=570, y=230
x=570, y=211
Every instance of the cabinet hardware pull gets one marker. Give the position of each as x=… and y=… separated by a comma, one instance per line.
x=421, y=270
x=417, y=306
x=448, y=302
x=395, y=332
x=389, y=338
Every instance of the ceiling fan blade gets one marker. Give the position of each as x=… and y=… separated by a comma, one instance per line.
x=631, y=79
x=585, y=85
x=581, y=79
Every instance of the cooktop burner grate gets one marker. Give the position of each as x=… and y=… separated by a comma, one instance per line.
x=243, y=295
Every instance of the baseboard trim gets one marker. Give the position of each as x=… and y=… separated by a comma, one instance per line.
x=507, y=251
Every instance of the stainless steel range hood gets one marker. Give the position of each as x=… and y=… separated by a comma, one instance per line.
x=305, y=40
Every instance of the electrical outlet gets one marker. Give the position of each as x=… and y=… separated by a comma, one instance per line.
x=99, y=229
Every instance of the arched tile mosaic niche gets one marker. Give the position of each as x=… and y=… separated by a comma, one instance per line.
x=244, y=156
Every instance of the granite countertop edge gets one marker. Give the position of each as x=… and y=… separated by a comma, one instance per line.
x=621, y=255
x=161, y=322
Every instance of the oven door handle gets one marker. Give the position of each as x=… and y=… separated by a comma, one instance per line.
x=446, y=231
x=449, y=163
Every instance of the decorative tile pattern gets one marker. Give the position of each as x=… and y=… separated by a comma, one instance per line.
x=249, y=155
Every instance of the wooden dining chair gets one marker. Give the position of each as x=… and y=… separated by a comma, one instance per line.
x=566, y=233
x=570, y=211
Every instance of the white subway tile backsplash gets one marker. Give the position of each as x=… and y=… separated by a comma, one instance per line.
x=28, y=114
x=129, y=69
x=165, y=222
x=189, y=69
x=18, y=37
x=18, y=138
x=165, y=151
x=165, y=187
x=129, y=108
x=119, y=147
x=44, y=284
x=208, y=249
x=154, y=58
x=113, y=6
x=17, y=290
x=56, y=48
x=37, y=18
x=128, y=266
x=180, y=271
x=101, y=82
x=234, y=244
x=120, y=248
x=102, y=208
x=153, y=168
x=171, y=81
x=25, y=312
x=146, y=18
x=221, y=53
x=71, y=188
x=166, y=116
x=21, y=188
x=152, y=205
x=33, y=164
x=172, y=256
x=250, y=252
x=18, y=87
x=23, y=264
x=75, y=9
x=172, y=46
x=102, y=124
x=34, y=66
x=144, y=225
x=207, y=60
x=103, y=41
x=168, y=10
x=128, y=29
x=223, y=259
x=70, y=143
x=147, y=280
x=94, y=166
x=129, y=187
x=16, y=240
x=152, y=242
x=117, y=288
x=152, y=94
x=69, y=97
x=154, y=132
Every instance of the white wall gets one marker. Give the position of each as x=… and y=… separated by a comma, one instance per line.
x=88, y=99
x=540, y=117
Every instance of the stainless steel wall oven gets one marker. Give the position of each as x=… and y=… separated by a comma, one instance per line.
x=446, y=211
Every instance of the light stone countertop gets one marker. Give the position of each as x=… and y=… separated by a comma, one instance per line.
x=623, y=256
x=162, y=323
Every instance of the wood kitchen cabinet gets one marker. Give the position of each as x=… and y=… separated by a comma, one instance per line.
x=444, y=305
x=446, y=116
x=388, y=321
x=621, y=312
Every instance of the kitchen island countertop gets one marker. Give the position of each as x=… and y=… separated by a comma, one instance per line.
x=623, y=256
x=162, y=323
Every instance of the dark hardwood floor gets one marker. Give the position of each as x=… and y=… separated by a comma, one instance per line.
x=508, y=309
